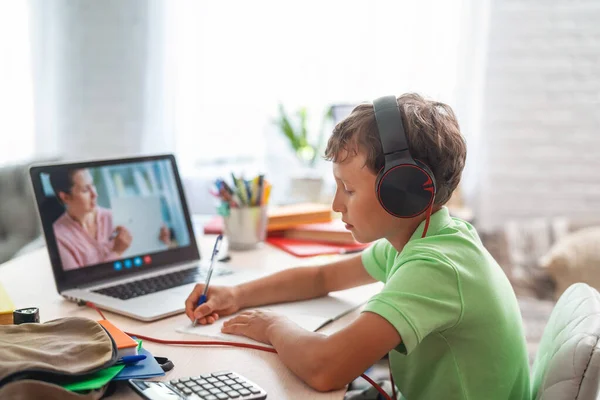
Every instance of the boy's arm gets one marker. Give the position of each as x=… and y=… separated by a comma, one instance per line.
x=323, y=362
x=303, y=283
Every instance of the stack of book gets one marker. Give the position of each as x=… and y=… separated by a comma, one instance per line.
x=283, y=217
x=303, y=230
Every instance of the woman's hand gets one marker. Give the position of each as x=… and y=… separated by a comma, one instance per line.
x=122, y=241
x=165, y=235
x=254, y=324
x=221, y=300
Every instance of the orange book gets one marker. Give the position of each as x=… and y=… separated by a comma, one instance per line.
x=327, y=232
x=283, y=217
x=288, y=216
x=126, y=346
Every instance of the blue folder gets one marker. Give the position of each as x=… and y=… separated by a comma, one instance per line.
x=147, y=368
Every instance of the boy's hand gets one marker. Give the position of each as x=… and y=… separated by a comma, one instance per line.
x=221, y=300
x=254, y=324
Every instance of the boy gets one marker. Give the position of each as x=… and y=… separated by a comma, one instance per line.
x=447, y=314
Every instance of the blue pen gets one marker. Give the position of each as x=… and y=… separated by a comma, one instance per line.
x=131, y=359
x=203, y=297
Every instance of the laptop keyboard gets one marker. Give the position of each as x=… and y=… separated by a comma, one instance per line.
x=154, y=284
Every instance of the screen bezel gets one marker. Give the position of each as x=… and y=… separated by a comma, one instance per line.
x=66, y=280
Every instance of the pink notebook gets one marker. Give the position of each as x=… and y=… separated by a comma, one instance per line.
x=300, y=248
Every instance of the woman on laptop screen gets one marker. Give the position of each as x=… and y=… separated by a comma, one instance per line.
x=84, y=233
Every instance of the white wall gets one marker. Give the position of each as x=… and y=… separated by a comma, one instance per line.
x=98, y=78
x=541, y=122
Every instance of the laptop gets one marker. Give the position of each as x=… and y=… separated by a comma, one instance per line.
x=119, y=234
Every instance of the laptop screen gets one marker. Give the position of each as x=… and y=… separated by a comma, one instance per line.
x=112, y=217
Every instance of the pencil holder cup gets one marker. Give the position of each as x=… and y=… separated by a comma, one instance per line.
x=245, y=227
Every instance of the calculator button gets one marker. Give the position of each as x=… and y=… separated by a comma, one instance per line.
x=254, y=390
x=214, y=391
x=184, y=379
x=208, y=386
x=203, y=393
x=187, y=391
x=211, y=397
x=218, y=384
x=195, y=388
x=190, y=383
x=180, y=386
x=205, y=376
x=212, y=380
x=226, y=388
x=233, y=394
x=221, y=373
x=222, y=396
x=174, y=381
x=230, y=382
x=237, y=387
x=244, y=392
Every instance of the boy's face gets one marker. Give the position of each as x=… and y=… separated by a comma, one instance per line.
x=355, y=198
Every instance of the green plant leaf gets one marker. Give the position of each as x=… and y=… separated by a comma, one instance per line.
x=327, y=118
x=303, y=116
x=286, y=127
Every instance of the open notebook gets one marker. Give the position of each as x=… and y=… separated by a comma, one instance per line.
x=309, y=314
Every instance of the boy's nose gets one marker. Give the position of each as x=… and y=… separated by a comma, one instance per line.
x=337, y=205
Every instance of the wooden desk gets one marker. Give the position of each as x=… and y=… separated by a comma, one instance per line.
x=29, y=282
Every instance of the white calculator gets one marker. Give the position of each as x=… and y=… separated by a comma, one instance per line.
x=224, y=385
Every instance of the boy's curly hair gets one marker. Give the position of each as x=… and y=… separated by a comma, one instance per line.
x=432, y=133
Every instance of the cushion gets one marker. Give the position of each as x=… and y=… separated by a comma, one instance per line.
x=567, y=364
x=574, y=258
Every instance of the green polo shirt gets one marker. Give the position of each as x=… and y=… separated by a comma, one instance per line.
x=456, y=312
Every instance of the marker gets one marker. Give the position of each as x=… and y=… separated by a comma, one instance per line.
x=114, y=234
x=130, y=359
x=203, y=298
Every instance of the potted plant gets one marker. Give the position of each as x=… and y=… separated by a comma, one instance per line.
x=308, y=185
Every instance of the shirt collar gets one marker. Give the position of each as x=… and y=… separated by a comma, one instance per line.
x=438, y=221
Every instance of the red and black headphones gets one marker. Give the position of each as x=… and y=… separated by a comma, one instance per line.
x=405, y=187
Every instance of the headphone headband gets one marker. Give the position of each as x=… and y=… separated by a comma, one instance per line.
x=389, y=124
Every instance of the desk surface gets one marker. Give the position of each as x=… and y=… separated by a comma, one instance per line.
x=263, y=368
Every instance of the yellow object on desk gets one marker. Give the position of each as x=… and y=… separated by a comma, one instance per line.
x=6, y=307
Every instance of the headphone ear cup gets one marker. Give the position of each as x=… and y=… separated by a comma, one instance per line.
x=405, y=190
x=425, y=168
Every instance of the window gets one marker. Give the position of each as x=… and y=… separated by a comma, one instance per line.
x=234, y=61
x=16, y=91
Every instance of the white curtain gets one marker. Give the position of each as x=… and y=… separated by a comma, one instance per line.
x=233, y=61
x=16, y=92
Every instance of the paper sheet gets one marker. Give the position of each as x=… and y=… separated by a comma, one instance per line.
x=308, y=322
x=309, y=314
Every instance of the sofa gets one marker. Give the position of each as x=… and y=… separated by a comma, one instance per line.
x=19, y=223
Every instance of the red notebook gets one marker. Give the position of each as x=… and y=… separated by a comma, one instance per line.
x=301, y=248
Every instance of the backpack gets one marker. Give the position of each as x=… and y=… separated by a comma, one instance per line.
x=35, y=358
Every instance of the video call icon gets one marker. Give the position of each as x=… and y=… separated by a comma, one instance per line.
x=137, y=261
x=118, y=265
x=128, y=263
